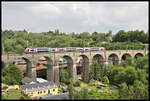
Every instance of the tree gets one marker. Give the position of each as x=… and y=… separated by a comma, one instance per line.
x=142, y=76
x=84, y=36
x=128, y=62
x=71, y=89
x=124, y=92
x=95, y=71
x=85, y=95
x=77, y=95
x=121, y=36
x=141, y=62
x=12, y=75
x=64, y=76
x=109, y=36
x=141, y=91
x=130, y=75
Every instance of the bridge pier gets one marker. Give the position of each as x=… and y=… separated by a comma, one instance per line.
x=31, y=72
x=86, y=71
x=74, y=75
x=56, y=75
x=50, y=73
x=119, y=62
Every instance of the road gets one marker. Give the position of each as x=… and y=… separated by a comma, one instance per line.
x=58, y=96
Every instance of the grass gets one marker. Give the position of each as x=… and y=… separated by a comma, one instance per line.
x=93, y=86
x=13, y=94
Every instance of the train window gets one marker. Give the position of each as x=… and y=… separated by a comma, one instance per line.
x=42, y=49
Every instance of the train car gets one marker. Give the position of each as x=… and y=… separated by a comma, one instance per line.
x=68, y=49
x=86, y=49
x=53, y=50
x=80, y=49
x=102, y=48
x=71, y=49
x=61, y=49
x=94, y=48
x=43, y=49
x=30, y=50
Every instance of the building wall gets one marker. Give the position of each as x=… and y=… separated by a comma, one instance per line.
x=41, y=92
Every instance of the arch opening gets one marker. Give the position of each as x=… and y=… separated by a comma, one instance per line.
x=113, y=60
x=125, y=56
x=138, y=55
x=98, y=58
x=44, y=68
x=84, y=68
x=66, y=62
x=21, y=63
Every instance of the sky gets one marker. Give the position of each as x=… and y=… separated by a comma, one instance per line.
x=75, y=16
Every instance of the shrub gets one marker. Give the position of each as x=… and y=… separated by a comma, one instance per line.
x=92, y=84
x=77, y=84
x=105, y=80
x=5, y=87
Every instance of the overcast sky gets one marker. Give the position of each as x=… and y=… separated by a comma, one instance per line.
x=75, y=16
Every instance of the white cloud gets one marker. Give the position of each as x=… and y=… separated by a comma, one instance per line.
x=44, y=8
x=93, y=15
x=76, y=16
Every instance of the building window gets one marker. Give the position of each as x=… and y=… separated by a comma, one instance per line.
x=53, y=90
x=44, y=91
x=38, y=92
x=48, y=91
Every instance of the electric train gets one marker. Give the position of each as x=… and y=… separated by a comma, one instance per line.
x=67, y=49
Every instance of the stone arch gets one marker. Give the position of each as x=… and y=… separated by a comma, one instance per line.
x=85, y=68
x=138, y=54
x=21, y=64
x=69, y=65
x=125, y=56
x=98, y=58
x=113, y=59
x=45, y=68
x=50, y=69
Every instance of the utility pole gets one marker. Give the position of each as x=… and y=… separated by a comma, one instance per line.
x=28, y=37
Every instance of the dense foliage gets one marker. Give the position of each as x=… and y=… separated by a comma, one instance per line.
x=71, y=89
x=132, y=36
x=64, y=76
x=131, y=78
x=12, y=75
x=17, y=41
x=97, y=71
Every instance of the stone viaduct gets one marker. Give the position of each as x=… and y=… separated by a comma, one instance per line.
x=114, y=57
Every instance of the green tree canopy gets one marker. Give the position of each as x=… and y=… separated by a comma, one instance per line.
x=12, y=75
